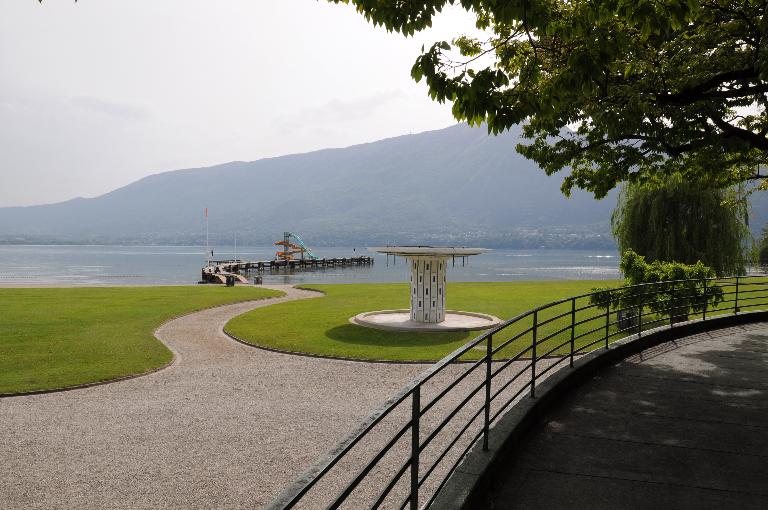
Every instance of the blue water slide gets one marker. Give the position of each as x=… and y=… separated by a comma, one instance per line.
x=300, y=242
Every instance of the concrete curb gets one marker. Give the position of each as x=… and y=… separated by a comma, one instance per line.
x=466, y=485
x=361, y=319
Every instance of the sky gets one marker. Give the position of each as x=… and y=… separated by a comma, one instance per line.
x=99, y=93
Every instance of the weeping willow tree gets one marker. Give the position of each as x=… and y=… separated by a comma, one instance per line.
x=762, y=253
x=681, y=221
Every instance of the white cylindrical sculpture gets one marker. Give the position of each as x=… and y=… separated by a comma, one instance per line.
x=428, y=266
x=428, y=289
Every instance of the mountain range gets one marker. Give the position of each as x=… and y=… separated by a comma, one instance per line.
x=457, y=185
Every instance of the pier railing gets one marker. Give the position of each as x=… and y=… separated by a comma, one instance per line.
x=403, y=454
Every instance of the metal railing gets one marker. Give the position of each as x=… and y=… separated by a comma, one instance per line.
x=476, y=384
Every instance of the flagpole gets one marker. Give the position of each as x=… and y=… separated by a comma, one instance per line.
x=207, y=250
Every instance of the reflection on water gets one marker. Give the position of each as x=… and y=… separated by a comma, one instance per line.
x=146, y=265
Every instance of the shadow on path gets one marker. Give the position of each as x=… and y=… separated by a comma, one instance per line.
x=682, y=425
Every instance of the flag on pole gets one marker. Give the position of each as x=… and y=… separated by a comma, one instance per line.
x=206, y=212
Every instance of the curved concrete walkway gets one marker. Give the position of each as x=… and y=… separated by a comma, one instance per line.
x=682, y=425
x=225, y=426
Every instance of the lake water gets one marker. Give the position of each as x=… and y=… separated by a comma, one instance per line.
x=150, y=265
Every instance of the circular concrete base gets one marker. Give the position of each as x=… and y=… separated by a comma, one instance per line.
x=400, y=320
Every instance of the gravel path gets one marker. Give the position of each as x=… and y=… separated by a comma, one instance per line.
x=225, y=426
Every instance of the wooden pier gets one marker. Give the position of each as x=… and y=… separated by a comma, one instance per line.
x=218, y=271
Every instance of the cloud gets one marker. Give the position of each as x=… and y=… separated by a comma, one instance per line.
x=116, y=109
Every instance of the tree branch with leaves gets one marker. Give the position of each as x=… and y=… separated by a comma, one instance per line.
x=611, y=90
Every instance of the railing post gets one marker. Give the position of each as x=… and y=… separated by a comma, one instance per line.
x=573, y=326
x=706, y=300
x=672, y=310
x=487, y=422
x=640, y=314
x=533, y=354
x=736, y=303
x=415, y=417
x=607, y=321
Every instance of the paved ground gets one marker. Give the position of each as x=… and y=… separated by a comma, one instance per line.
x=226, y=426
x=683, y=425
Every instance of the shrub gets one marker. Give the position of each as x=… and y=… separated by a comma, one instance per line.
x=670, y=288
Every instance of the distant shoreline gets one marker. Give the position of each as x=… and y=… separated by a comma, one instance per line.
x=95, y=285
x=596, y=247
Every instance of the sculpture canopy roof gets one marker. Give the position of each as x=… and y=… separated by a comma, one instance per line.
x=429, y=251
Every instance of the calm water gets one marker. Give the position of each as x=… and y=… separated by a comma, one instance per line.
x=147, y=265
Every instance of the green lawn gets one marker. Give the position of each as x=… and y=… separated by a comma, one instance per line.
x=320, y=326
x=53, y=338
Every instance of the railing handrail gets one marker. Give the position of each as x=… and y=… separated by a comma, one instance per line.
x=309, y=479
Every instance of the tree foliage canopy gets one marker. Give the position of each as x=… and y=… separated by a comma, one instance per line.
x=682, y=222
x=617, y=90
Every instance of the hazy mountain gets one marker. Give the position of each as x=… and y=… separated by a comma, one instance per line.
x=451, y=185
